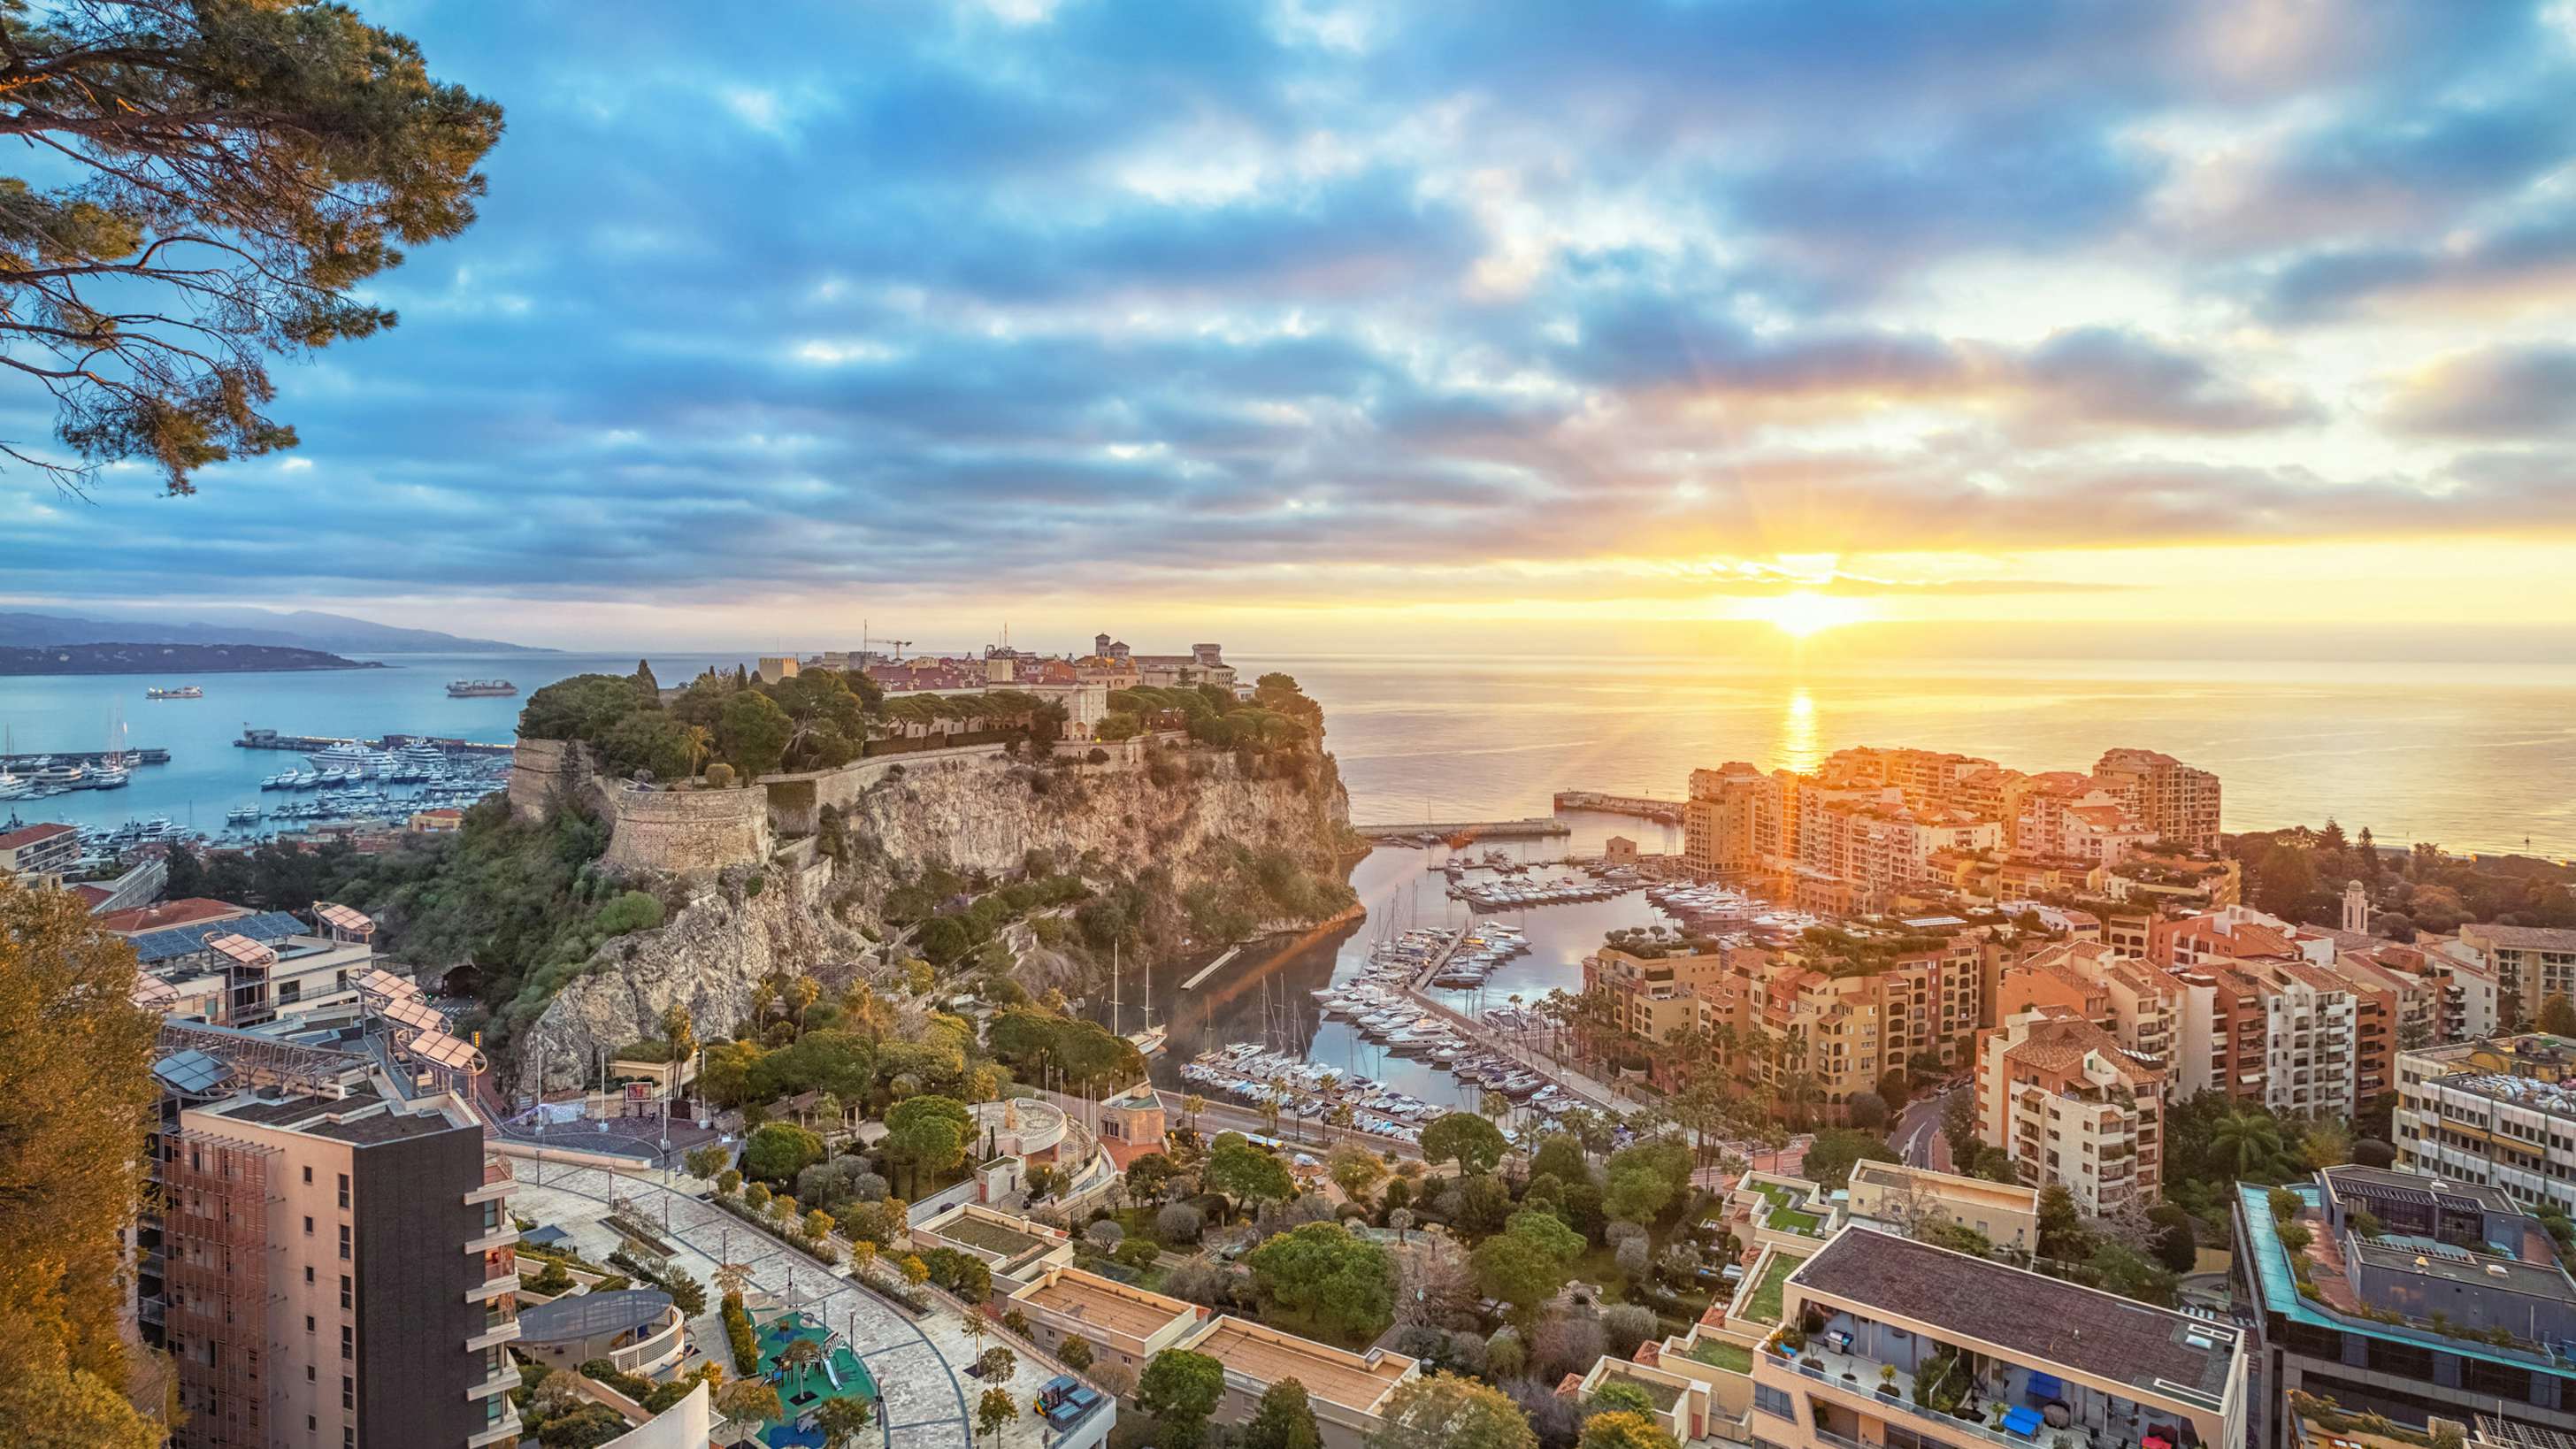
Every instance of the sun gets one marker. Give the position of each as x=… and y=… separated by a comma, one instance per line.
x=1806, y=612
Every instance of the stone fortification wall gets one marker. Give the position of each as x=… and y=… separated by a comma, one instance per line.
x=540, y=769
x=684, y=832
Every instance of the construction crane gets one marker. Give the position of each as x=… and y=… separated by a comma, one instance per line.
x=900, y=645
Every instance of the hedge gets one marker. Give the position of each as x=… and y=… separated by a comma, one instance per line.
x=738, y=1334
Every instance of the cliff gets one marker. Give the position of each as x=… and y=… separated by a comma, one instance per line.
x=1179, y=821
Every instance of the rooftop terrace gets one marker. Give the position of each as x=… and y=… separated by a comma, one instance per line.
x=1354, y=1381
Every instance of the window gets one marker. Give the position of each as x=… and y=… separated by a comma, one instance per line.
x=348, y=1341
x=344, y=1240
x=308, y=1272
x=308, y=1373
x=344, y=1292
x=349, y=1392
x=344, y=1189
x=308, y=1323
x=308, y=1227
x=311, y=1423
x=308, y=1176
x=1775, y=1402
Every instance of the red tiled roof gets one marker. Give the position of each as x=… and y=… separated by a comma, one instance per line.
x=29, y=835
x=92, y=894
x=162, y=917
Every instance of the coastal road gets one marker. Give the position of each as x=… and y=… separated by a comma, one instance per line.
x=1917, y=1137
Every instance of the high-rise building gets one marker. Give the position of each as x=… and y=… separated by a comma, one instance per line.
x=2495, y=1111
x=1731, y=823
x=2060, y=1095
x=2177, y=802
x=333, y=1262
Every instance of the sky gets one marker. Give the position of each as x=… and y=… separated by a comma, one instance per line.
x=1355, y=325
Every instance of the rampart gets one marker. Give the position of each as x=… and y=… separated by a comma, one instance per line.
x=540, y=770
x=684, y=832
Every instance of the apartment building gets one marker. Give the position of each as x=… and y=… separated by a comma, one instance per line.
x=2174, y=800
x=2058, y=1094
x=38, y=854
x=1918, y=1347
x=250, y=968
x=332, y=1263
x=2531, y=964
x=2416, y=1297
x=1651, y=997
x=1731, y=824
x=2393, y=1010
x=2496, y=1111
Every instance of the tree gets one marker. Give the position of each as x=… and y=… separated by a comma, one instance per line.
x=842, y=1420
x=1866, y=1111
x=1475, y=1144
x=219, y=181
x=1620, y=1396
x=1440, y=1411
x=1347, y=1283
x=73, y=1101
x=778, y=1151
x=1244, y=1173
x=1625, y=1429
x=1178, y=1391
x=2061, y=1225
x=1284, y=1419
x=1838, y=1150
x=2558, y=1015
x=1150, y=1177
x=2174, y=1244
x=1075, y=1353
x=1355, y=1170
x=1518, y=1270
x=752, y=732
x=748, y=1401
x=928, y=1132
x=994, y=1411
x=1560, y=1155
x=2246, y=1142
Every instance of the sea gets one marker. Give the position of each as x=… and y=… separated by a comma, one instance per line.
x=2471, y=756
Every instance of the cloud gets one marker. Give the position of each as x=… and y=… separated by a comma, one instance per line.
x=2501, y=392
x=935, y=297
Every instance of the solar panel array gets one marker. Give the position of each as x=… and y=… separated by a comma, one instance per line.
x=418, y=1015
x=179, y=941
x=438, y=1049
x=342, y=917
x=192, y=1073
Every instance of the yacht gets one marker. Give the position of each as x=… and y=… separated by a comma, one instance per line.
x=419, y=760
x=109, y=775
x=68, y=775
x=242, y=815
x=354, y=760
x=282, y=780
x=13, y=788
x=184, y=691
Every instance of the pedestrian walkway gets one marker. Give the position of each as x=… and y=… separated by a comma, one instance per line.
x=929, y=1401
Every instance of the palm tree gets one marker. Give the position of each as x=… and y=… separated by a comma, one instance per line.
x=1191, y=1106
x=702, y=743
x=2248, y=1141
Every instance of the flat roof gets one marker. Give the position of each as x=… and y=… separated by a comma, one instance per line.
x=1949, y=1184
x=976, y=1231
x=2115, y=1339
x=1336, y=1376
x=2475, y=1270
x=363, y=1117
x=1081, y=1297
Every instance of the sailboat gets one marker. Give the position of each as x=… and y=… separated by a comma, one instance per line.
x=1150, y=1040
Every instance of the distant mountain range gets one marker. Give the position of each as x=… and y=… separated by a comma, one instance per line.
x=133, y=658
x=302, y=629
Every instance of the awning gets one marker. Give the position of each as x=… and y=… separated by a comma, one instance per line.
x=2021, y=1420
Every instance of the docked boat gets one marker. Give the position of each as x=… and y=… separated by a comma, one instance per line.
x=480, y=689
x=417, y=761
x=354, y=760
x=68, y=775
x=242, y=815
x=110, y=775
x=183, y=691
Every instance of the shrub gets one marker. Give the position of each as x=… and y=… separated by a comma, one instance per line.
x=738, y=1335
x=1104, y=1235
x=720, y=776
x=1627, y=1325
x=1138, y=1253
x=1179, y=1223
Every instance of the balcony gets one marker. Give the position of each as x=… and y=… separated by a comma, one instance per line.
x=499, y=1381
x=506, y=1235
x=497, y=1182
x=503, y=1430
x=500, y=1326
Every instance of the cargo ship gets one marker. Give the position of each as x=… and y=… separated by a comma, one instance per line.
x=184, y=691
x=480, y=689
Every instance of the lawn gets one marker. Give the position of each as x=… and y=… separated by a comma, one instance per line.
x=1764, y=1306
x=1786, y=1216
x=1718, y=1353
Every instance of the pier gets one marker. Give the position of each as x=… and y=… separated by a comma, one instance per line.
x=1531, y=828
x=1591, y=1093
x=155, y=756
x=255, y=739
x=1641, y=807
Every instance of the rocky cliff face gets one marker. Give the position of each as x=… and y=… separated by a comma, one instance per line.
x=1182, y=812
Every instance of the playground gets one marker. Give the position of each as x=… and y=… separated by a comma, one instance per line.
x=806, y=1379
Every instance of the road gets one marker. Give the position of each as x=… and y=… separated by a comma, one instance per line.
x=1918, y=1138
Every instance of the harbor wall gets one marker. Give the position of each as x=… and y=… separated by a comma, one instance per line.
x=683, y=832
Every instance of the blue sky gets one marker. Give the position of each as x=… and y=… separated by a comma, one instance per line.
x=1314, y=320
